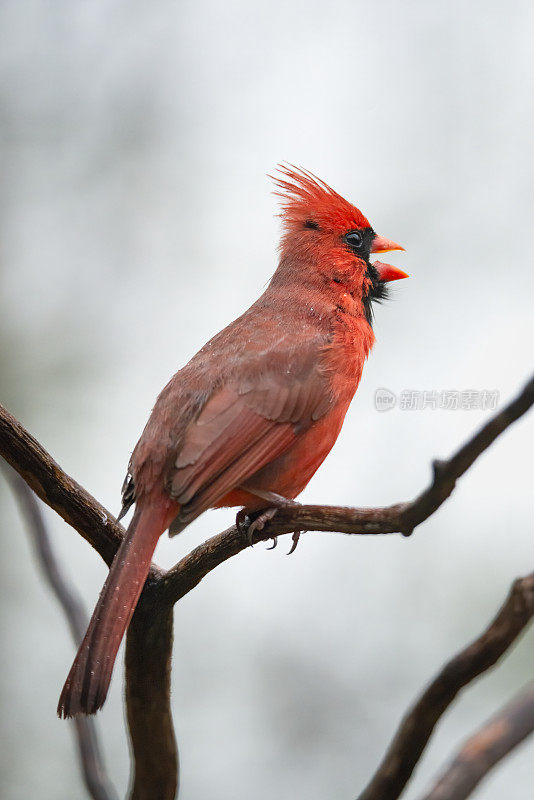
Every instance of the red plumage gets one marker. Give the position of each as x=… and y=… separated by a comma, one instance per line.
x=256, y=411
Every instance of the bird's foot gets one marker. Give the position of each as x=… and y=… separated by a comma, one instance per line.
x=248, y=522
x=258, y=523
x=244, y=520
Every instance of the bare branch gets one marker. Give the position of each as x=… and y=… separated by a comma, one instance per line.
x=416, y=728
x=94, y=772
x=100, y=528
x=505, y=731
x=148, y=689
x=402, y=517
x=95, y=776
x=57, y=489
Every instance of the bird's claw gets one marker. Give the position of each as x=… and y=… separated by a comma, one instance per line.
x=258, y=524
x=249, y=527
x=295, y=540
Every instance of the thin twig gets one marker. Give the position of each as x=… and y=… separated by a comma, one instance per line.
x=505, y=731
x=92, y=764
x=416, y=728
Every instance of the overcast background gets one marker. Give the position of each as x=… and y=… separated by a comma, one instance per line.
x=136, y=221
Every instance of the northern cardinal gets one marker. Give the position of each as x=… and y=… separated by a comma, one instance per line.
x=251, y=417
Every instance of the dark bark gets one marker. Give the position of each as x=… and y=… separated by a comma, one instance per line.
x=148, y=688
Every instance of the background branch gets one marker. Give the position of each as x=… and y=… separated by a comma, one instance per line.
x=505, y=731
x=416, y=728
x=91, y=761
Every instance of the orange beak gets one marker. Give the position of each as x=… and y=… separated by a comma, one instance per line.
x=387, y=272
x=381, y=245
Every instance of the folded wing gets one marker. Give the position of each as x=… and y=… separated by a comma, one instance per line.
x=244, y=426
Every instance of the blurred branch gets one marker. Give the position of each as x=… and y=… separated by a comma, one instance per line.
x=399, y=518
x=95, y=776
x=94, y=772
x=505, y=731
x=416, y=728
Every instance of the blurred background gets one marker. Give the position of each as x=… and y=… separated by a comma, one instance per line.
x=136, y=221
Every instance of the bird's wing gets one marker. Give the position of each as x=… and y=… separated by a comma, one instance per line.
x=246, y=425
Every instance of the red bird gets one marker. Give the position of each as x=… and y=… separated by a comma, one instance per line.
x=252, y=416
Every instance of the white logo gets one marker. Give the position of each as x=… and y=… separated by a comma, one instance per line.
x=385, y=400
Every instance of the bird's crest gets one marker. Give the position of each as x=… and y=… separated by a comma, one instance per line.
x=309, y=201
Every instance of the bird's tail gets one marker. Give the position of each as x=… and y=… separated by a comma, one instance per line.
x=87, y=683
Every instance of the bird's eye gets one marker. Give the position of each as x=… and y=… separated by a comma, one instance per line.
x=354, y=239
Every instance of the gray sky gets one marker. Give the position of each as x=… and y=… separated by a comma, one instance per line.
x=137, y=220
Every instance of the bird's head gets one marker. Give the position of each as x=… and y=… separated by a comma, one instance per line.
x=332, y=239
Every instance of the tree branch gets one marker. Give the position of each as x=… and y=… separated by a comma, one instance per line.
x=57, y=489
x=398, y=518
x=102, y=531
x=486, y=748
x=148, y=690
x=93, y=769
x=416, y=728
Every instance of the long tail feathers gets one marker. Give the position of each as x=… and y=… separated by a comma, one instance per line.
x=87, y=683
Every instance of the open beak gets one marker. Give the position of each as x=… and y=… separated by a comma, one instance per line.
x=387, y=272
x=381, y=245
